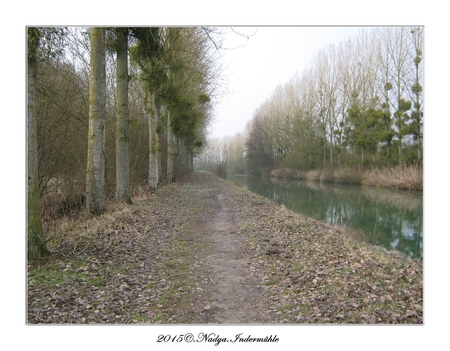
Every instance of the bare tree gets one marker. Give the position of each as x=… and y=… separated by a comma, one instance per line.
x=122, y=119
x=95, y=175
x=416, y=89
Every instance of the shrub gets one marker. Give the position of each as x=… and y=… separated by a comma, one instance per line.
x=348, y=175
x=312, y=175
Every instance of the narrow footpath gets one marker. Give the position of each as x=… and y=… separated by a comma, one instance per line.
x=236, y=295
x=204, y=251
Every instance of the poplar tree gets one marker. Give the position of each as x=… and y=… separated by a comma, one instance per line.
x=122, y=118
x=417, y=90
x=95, y=176
x=36, y=241
x=145, y=53
x=154, y=151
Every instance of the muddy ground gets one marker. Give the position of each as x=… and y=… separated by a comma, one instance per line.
x=204, y=251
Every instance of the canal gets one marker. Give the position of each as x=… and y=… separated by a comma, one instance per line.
x=386, y=217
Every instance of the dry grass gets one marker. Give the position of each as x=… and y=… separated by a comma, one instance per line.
x=283, y=173
x=400, y=178
x=348, y=175
x=300, y=175
x=312, y=175
x=61, y=211
x=326, y=175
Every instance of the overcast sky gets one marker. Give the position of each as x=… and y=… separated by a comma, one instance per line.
x=269, y=58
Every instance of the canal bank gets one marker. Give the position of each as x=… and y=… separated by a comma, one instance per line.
x=391, y=218
x=205, y=251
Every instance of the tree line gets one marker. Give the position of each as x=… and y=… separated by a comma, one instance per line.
x=359, y=103
x=111, y=111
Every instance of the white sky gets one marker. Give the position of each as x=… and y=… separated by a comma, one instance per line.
x=270, y=58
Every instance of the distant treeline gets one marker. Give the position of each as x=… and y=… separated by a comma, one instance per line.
x=359, y=104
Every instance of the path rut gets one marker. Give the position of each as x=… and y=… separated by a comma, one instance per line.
x=236, y=296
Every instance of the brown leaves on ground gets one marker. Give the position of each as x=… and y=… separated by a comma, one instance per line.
x=144, y=263
x=318, y=274
x=131, y=265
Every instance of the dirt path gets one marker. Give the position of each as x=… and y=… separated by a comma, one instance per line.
x=235, y=295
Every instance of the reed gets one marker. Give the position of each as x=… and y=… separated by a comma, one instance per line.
x=348, y=175
x=399, y=178
x=312, y=175
x=283, y=173
x=326, y=175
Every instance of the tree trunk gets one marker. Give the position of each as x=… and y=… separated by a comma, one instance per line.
x=175, y=155
x=95, y=179
x=331, y=152
x=179, y=158
x=158, y=132
x=122, y=120
x=36, y=241
x=153, y=145
x=389, y=155
x=169, y=149
x=191, y=163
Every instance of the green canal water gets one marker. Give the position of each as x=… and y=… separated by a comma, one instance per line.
x=390, y=218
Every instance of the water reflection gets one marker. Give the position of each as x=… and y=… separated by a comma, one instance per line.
x=391, y=218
